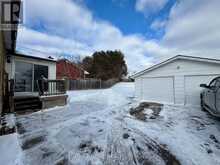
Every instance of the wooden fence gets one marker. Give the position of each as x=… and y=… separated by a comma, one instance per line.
x=89, y=84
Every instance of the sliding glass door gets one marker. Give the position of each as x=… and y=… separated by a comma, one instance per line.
x=27, y=74
x=40, y=71
x=23, y=77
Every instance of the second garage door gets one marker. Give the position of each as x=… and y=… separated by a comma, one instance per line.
x=193, y=89
x=159, y=89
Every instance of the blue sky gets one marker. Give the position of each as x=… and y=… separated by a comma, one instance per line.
x=124, y=16
x=146, y=31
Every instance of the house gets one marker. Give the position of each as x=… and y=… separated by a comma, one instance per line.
x=33, y=82
x=19, y=88
x=8, y=33
x=69, y=70
x=176, y=80
x=25, y=70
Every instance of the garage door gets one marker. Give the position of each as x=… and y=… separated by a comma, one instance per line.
x=192, y=89
x=159, y=89
x=138, y=88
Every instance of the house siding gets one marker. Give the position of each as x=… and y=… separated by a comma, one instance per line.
x=179, y=69
x=2, y=64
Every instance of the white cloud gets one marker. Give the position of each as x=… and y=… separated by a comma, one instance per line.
x=194, y=28
x=158, y=24
x=69, y=28
x=150, y=6
x=31, y=39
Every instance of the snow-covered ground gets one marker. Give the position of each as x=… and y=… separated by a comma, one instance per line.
x=97, y=128
x=10, y=151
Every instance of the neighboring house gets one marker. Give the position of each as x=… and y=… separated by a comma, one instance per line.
x=26, y=70
x=176, y=80
x=69, y=70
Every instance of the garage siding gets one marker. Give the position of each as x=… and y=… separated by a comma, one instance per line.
x=186, y=91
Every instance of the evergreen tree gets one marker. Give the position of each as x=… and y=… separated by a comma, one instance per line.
x=106, y=65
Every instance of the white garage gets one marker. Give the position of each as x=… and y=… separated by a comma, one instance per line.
x=176, y=80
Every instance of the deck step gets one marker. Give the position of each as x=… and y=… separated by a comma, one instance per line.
x=27, y=103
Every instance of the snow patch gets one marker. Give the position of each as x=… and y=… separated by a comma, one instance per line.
x=10, y=150
x=148, y=111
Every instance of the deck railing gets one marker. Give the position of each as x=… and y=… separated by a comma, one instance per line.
x=51, y=87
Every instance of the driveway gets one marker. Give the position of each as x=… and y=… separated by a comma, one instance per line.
x=97, y=127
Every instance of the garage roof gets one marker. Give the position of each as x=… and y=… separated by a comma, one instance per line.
x=183, y=57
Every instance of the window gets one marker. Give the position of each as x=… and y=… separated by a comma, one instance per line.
x=217, y=84
x=212, y=83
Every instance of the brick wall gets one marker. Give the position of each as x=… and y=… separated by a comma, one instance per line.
x=68, y=70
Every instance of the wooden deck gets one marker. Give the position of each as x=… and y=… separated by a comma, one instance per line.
x=25, y=94
x=32, y=102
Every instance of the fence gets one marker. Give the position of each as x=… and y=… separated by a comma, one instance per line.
x=90, y=84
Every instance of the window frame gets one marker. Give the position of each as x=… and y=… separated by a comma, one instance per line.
x=33, y=75
x=214, y=81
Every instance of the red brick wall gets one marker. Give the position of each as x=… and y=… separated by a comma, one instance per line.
x=66, y=69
